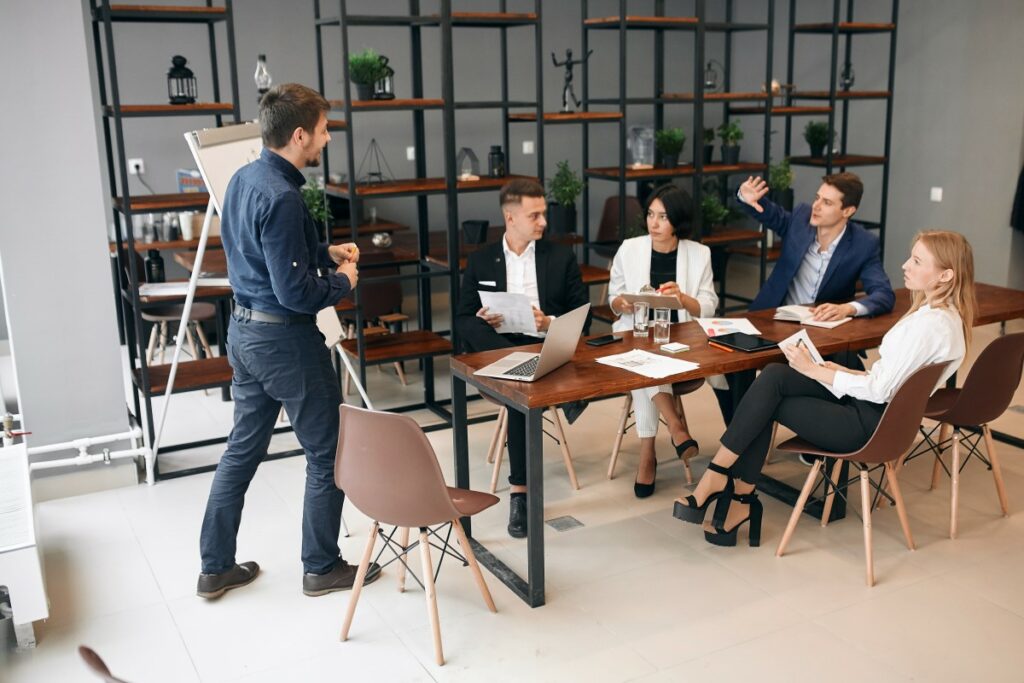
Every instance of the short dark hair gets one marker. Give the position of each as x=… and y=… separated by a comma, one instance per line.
x=513, y=191
x=286, y=107
x=678, y=207
x=849, y=184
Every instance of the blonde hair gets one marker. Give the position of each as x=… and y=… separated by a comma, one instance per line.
x=951, y=251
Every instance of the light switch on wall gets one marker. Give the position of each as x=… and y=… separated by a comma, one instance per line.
x=410, y=154
x=527, y=146
x=936, y=194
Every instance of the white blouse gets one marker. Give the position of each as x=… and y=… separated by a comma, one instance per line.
x=928, y=335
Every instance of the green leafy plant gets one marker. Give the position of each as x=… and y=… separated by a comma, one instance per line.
x=670, y=141
x=709, y=136
x=565, y=186
x=780, y=176
x=365, y=68
x=316, y=202
x=636, y=227
x=712, y=211
x=730, y=133
x=817, y=134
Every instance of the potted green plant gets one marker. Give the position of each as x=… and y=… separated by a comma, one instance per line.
x=318, y=206
x=365, y=69
x=563, y=188
x=817, y=134
x=730, y=134
x=709, y=145
x=669, y=143
x=713, y=212
x=780, y=181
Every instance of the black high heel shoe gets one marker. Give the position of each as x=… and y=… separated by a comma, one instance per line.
x=693, y=513
x=684, y=446
x=728, y=538
x=645, y=490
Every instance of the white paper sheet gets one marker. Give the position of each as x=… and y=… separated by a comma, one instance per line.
x=648, y=364
x=714, y=327
x=793, y=340
x=515, y=308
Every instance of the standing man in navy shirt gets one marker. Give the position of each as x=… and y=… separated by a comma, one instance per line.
x=281, y=276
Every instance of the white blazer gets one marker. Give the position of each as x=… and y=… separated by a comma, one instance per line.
x=631, y=270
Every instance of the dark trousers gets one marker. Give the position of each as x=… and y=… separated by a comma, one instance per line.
x=274, y=366
x=781, y=394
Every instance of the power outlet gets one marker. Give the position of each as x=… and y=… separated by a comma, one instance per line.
x=410, y=154
x=527, y=146
x=936, y=194
x=136, y=167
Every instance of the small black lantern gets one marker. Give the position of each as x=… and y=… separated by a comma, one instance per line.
x=181, y=82
x=384, y=88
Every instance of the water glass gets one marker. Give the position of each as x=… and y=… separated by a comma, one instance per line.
x=662, y=321
x=640, y=312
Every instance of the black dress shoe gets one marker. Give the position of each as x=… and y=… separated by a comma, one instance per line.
x=645, y=490
x=573, y=410
x=341, y=578
x=517, y=516
x=212, y=586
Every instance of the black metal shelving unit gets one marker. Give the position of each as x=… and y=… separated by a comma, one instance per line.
x=841, y=31
x=148, y=380
x=446, y=22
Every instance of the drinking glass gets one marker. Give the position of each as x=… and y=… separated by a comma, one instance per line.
x=662, y=321
x=640, y=312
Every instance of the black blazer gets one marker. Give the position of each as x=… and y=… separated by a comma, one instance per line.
x=560, y=289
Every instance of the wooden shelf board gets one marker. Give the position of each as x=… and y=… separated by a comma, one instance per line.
x=556, y=117
x=152, y=203
x=839, y=160
x=782, y=111
x=643, y=22
x=195, y=109
x=612, y=172
x=755, y=252
x=604, y=313
x=391, y=348
x=714, y=96
x=485, y=19
x=417, y=186
x=344, y=231
x=165, y=13
x=140, y=246
x=841, y=94
x=725, y=236
x=845, y=27
x=192, y=375
x=592, y=275
x=407, y=104
x=337, y=124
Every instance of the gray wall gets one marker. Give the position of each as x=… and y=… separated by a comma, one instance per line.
x=53, y=250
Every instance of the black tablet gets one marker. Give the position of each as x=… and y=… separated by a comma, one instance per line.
x=744, y=342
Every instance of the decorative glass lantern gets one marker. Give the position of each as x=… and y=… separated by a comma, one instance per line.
x=181, y=82
x=467, y=164
x=262, y=77
x=712, y=76
x=384, y=89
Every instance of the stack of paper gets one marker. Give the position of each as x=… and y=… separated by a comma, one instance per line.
x=717, y=326
x=648, y=364
x=804, y=316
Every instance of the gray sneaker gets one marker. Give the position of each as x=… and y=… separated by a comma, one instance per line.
x=213, y=586
x=340, y=578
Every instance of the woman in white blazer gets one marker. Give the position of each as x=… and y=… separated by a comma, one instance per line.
x=666, y=260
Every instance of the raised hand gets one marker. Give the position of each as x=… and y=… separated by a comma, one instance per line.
x=752, y=190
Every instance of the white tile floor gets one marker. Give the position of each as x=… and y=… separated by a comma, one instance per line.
x=632, y=595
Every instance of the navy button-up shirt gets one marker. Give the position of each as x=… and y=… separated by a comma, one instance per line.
x=274, y=258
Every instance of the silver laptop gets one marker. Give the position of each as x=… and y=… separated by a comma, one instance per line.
x=559, y=345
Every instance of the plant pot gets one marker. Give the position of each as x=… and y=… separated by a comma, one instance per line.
x=474, y=232
x=364, y=91
x=730, y=154
x=669, y=160
x=561, y=219
x=783, y=198
x=709, y=154
x=817, y=151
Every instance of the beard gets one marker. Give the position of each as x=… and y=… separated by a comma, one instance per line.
x=314, y=161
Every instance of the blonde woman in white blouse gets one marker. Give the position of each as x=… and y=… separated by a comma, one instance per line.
x=674, y=265
x=832, y=406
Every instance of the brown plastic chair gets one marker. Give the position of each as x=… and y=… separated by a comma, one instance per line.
x=679, y=389
x=986, y=394
x=387, y=468
x=96, y=665
x=893, y=436
x=609, y=232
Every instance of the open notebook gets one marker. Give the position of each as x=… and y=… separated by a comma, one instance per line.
x=803, y=315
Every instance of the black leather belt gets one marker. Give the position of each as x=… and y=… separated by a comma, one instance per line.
x=243, y=313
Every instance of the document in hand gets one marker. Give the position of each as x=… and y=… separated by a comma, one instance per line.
x=654, y=300
x=803, y=315
x=801, y=339
x=514, y=308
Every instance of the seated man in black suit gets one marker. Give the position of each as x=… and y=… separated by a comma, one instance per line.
x=520, y=263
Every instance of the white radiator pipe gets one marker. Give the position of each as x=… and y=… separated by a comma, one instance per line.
x=84, y=443
x=86, y=458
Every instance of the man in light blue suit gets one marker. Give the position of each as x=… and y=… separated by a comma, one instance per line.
x=824, y=255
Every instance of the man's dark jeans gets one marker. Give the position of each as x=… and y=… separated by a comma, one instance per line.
x=277, y=365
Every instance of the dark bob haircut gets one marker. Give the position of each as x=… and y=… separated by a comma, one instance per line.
x=678, y=207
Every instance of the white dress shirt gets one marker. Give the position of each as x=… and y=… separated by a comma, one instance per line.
x=928, y=335
x=521, y=273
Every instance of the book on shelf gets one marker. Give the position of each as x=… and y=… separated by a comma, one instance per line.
x=804, y=316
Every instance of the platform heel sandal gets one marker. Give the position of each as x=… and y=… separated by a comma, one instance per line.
x=720, y=536
x=687, y=509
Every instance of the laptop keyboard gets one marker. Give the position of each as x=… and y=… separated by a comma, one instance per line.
x=525, y=369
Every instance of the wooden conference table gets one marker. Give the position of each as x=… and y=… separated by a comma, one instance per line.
x=584, y=378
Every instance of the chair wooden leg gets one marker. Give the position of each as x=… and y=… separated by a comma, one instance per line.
x=798, y=509
x=830, y=495
x=203, y=341
x=499, y=453
x=497, y=433
x=771, y=444
x=403, y=539
x=431, y=595
x=954, y=471
x=191, y=341
x=348, y=383
x=997, y=471
x=937, y=466
x=357, y=587
x=626, y=407
x=467, y=550
x=563, y=444
x=163, y=340
x=151, y=348
x=865, y=507
x=901, y=507
x=401, y=374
